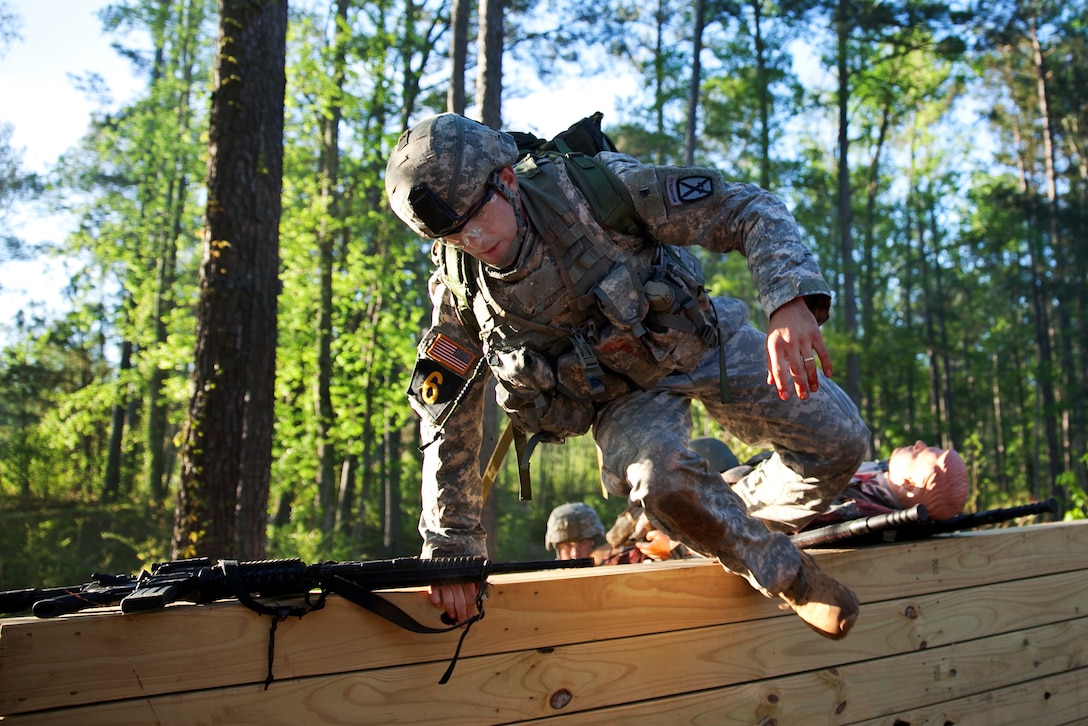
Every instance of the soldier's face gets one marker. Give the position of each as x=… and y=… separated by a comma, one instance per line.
x=575, y=549
x=489, y=236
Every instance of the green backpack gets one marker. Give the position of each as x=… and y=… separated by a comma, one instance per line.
x=577, y=147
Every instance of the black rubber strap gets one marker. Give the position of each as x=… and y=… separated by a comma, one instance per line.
x=380, y=606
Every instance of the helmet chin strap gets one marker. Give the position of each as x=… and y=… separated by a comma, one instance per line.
x=515, y=204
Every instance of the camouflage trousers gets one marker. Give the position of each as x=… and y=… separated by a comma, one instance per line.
x=642, y=440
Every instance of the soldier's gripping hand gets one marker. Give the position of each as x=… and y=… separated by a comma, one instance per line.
x=794, y=345
x=459, y=601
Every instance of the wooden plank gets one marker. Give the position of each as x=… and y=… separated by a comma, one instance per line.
x=584, y=680
x=225, y=644
x=1051, y=701
x=878, y=691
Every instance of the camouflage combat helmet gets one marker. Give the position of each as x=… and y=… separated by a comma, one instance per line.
x=717, y=454
x=435, y=175
x=572, y=523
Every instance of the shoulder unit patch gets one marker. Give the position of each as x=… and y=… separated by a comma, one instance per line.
x=687, y=189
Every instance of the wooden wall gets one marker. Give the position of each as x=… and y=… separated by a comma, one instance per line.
x=986, y=628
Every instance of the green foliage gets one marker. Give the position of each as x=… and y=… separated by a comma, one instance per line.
x=1077, y=495
x=961, y=281
x=560, y=474
x=45, y=545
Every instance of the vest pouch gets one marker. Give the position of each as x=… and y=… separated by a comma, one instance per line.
x=575, y=381
x=525, y=387
x=680, y=350
x=551, y=413
x=522, y=370
x=682, y=324
x=626, y=353
x=622, y=300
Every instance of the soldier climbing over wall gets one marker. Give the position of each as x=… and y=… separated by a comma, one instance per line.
x=583, y=301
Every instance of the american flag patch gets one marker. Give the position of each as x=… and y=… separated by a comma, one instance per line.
x=450, y=353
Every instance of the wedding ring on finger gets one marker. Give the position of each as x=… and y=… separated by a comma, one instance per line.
x=810, y=359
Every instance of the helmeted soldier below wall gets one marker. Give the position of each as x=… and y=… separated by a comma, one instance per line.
x=574, y=531
x=588, y=326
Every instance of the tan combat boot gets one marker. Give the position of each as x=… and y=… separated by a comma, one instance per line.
x=826, y=605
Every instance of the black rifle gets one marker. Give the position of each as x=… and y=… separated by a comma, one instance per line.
x=853, y=529
x=199, y=581
x=909, y=525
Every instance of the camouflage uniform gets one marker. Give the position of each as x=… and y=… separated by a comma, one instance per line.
x=642, y=434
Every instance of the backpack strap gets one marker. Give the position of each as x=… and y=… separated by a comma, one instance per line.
x=607, y=196
x=458, y=272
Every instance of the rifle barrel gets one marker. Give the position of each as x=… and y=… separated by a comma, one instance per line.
x=853, y=528
x=978, y=519
x=80, y=600
x=16, y=601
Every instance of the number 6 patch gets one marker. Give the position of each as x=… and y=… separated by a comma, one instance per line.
x=444, y=371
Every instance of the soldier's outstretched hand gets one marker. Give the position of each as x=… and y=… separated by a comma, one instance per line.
x=795, y=347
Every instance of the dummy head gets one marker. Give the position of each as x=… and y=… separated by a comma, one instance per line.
x=937, y=478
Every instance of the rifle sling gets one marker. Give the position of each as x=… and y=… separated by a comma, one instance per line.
x=232, y=572
x=495, y=461
x=348, y=590
x=380, y=606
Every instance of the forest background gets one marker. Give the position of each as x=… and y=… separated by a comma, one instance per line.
x=940, y=177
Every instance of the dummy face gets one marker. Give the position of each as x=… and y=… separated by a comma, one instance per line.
x=914, y=467
x=490, y=235
x=574, y=550
x=936, y=478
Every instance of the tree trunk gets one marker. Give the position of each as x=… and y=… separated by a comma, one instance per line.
x=1054, y=449
x=391, y=455
x=324, y=415
x=868, y=269
x=764, y=93
x=489, y=59
x=852, y=383
x=223, y=497
x=696, y=81
x=158, y=443
x=111, y=485
x=459, y=17
x=489, y=94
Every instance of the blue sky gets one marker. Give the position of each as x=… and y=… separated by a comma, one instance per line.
x=60, y=38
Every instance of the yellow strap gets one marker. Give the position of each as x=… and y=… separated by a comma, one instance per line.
x=497, y=455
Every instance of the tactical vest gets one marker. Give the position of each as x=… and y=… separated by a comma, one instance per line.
x=598, y=318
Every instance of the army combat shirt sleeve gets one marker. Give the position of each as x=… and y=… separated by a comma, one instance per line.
x=447, y=390
x=686, y=206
